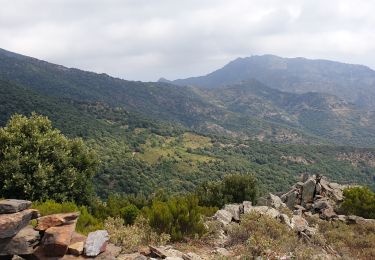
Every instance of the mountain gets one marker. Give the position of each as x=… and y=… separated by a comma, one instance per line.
x=157, y=135
x=355, y=83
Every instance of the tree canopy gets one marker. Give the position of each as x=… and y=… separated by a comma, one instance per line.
x=37, y=162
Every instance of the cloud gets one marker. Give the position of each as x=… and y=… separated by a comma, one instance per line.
x=145, y=39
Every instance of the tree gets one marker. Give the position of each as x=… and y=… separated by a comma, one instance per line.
x=37, y=162
x=359, y=201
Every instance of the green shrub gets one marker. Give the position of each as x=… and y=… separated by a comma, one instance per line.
x=234, y=188
x=359, y=201
x=37, y=162
x=132, y=237
x=179, y=217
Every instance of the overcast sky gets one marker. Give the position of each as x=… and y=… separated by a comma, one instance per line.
x=148, y=39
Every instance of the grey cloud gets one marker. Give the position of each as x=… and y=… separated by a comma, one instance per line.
x=146, y=39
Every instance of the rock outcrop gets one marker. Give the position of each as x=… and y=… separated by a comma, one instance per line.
x=54, y=236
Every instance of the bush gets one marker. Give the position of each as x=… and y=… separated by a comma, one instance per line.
x=179, y=217
x=37, y=162
x=86, y=222
x=132, y=237
x=234, y=188
x=359, y=201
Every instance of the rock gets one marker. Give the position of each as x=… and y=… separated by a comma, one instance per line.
x=290, y=198
x=308, y=190
x=11, y=224
x=235, y=210
x=223, y=216
x=328, y=213
x=96, y=242
x=22, y=243
x=310, y=231
x=76, y=248
x=13, y=206
x=321, y=204
x=299, y=223
x=56, y=220
x=271, y=201
x=56, y=240
x=113, y=250
x=174, y=253
x=173, y=258
x=160, y=252
x=285, y=220
x=134, y=256
x=264, y=210
x=318, y=189
x=223, y=252
x=247, y=205
x=191, y=256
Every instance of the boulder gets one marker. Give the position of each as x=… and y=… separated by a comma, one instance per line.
x=290, y=198
x=22, y=243
x=56, y=220
x=328, y=213
x=271, y=201
x=113, y=250
x=56, y=240
x=285, y=220
x=299, y=223
x=247, y=205
x=223, y=216
x=308, y=190
x=96, y=242
x=13, y=206
x=264, y=210
x=158, y=251
x=11, y=224
x=321, y=204
x=235, y=210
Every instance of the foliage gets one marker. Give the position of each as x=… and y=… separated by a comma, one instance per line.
x=233, y=189
x=359, y=201
x=37, y=162
x=131, y=237
x=86, y=222
x=178, y=216
x=356, y=241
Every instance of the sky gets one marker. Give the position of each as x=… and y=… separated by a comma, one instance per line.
x=148, y=39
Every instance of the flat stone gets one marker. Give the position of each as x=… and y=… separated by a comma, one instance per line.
x=21, y=244
x=11, y=224
x=13, y=206
x=56, y=240
x=96, y=242
x=76, y=248
x=223, y=216
x=159, y=251
x=55, y=220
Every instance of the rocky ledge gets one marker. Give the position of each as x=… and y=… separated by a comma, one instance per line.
x=53, y=237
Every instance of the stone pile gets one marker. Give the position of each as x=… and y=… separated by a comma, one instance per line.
x=53, y=237
x=315, y=197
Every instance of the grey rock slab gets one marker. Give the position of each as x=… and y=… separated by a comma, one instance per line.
x=11, y=224
x=223, y=216
x=21, y=244
x=235, y=210
x=271, y=201
x=13, y=206
x=308, y=190
x=191, y=256
x=96, y=242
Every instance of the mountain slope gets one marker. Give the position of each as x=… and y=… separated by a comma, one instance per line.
x=315, y=113
x=355, y=83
